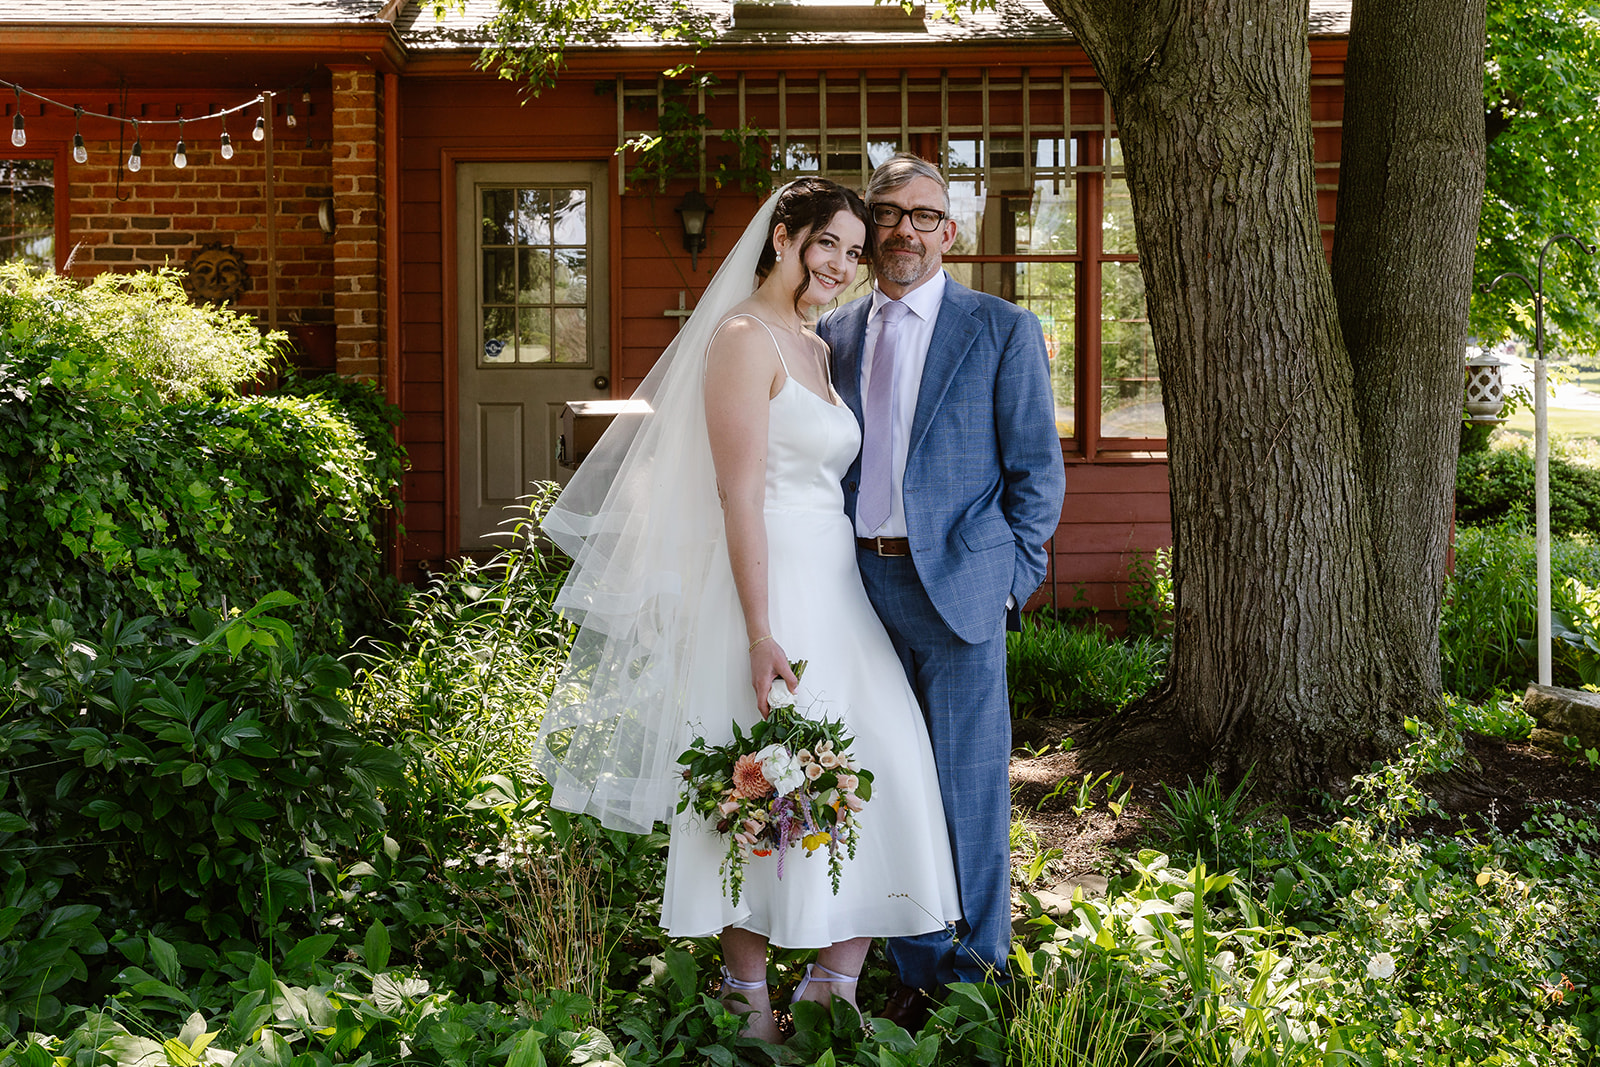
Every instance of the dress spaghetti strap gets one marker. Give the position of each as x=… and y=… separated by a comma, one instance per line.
x=775, y=346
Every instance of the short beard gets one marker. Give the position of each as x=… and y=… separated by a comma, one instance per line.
x=902, y=274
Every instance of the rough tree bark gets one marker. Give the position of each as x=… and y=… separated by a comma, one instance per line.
x=1285, y=654
x=1411, y=186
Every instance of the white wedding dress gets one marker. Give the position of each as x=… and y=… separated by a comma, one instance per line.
x=902, y=880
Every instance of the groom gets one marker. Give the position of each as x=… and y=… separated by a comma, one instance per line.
x=958, y=487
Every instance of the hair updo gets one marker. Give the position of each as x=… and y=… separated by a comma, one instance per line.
x=809, y=204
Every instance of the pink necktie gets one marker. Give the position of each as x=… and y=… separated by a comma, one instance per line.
x=877, y=414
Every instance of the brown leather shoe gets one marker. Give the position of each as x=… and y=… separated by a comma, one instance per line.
x=908, y=1008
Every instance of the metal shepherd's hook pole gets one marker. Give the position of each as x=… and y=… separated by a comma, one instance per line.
x=1541, y=445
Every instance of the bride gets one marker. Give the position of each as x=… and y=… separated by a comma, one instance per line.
x=711, y=547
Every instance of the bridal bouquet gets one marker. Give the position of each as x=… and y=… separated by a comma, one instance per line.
x=790, y=781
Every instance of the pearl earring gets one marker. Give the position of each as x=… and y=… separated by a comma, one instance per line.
x=780, y=257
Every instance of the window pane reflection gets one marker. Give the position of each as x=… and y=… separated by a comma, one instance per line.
x=28, y=212
x=1130, y=384
x=1047, y=290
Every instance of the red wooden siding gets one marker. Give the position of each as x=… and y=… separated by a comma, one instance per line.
x=1117, y=504
x=1114, y=512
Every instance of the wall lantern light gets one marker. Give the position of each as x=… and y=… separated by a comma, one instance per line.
x=693, y=209
x=1486, y=396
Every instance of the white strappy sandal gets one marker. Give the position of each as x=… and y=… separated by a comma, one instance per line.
x=816, y=972
x=756, y=1014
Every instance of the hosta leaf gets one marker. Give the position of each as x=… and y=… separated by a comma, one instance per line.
x=375, y=950
x=130, y=1050
x=390, y=993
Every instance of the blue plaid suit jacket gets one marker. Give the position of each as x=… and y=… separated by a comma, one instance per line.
x=984, y=480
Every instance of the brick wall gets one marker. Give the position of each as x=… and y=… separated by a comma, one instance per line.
x=358, y=210
x=162, y=215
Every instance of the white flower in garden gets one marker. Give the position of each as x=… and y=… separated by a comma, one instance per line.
x=1380, y=966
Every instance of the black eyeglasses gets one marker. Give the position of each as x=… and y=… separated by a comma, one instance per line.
x=922, y=218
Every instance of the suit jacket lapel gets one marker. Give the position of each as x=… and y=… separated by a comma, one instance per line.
x=953, y=334
x=849, y=332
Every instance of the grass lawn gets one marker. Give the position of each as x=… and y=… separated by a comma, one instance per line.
x=1564, y=422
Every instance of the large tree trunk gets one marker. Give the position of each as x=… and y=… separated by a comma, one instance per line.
x=1284, y=651
x=1411, y=185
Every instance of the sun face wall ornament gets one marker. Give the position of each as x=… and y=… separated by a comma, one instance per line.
x=216, y=274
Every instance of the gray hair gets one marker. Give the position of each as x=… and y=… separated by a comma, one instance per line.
x=901, y=169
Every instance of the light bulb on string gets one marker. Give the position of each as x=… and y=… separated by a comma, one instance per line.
x=227, y=144
x=80, y=154
x=260, y=132
x=288, y=112
x=136, y=157
x=19, y=136
x=180, y=158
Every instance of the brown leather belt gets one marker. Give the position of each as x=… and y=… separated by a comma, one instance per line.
x=885, y=546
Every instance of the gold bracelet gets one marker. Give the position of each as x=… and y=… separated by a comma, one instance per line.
x=757, y=641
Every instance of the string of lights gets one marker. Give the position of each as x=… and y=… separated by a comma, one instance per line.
x=180, y=157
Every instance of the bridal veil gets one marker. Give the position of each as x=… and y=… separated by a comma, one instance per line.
x=643, y=524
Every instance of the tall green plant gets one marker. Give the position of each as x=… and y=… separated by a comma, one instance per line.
x=1066, y=670
x=1489, y=621
x=189, y=776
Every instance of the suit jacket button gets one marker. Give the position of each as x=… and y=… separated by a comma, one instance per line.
x=850, y=486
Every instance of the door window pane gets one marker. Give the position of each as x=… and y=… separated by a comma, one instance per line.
x=534, y=254
x=28, y=212
x=1130, y=385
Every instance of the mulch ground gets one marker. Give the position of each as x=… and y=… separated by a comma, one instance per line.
x=1506, y=781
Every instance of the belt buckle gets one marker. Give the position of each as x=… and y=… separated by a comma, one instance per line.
x=882, y=546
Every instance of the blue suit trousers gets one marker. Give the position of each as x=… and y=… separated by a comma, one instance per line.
x=962, y=687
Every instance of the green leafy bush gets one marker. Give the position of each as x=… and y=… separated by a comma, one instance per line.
x=187, y=779
x=1497, y=484
x=114, y=499
x=1066, y=670
x=458, y=695
x=1361, y=942
x=185, y=352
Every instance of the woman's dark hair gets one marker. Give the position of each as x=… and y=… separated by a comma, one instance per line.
x=810, y=204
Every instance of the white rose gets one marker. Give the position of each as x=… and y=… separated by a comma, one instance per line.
x=779, y=696
x=781, y=769
x=1380, y=966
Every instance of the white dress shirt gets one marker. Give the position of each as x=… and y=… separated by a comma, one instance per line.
x=911, y=355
